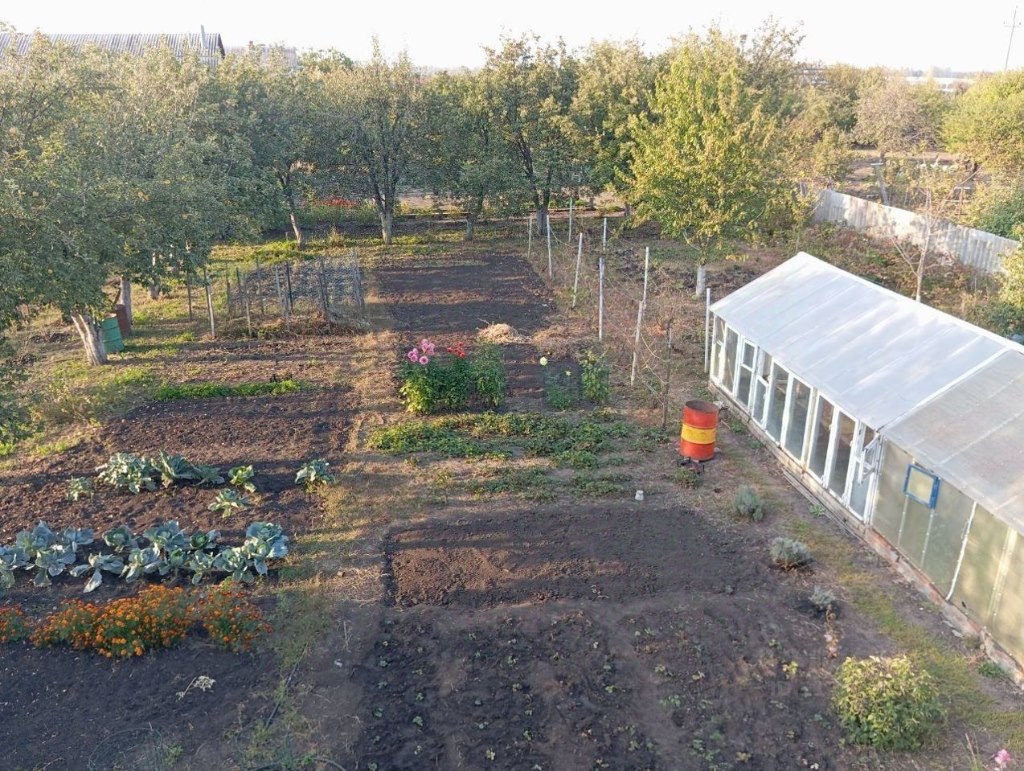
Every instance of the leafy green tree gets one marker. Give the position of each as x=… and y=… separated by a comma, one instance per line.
x=275, y=116
x=616, y=84
x=461, y=153
x=529, y=89
x=711, y=161
x=380, y=108
x=895, y=116
x=984, y=124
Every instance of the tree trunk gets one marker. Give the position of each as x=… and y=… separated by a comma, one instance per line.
x=154, y=284
x=470, y=224
x=702, y=280
x=294, y=219
x=542, y=218
x=89, y=331
x=126, y=297
x=387, y=223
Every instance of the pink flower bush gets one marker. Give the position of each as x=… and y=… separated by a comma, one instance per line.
x=1003, y=758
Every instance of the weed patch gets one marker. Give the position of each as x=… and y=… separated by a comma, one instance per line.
x=167, y=393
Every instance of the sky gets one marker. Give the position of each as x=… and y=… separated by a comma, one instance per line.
x=893, y=34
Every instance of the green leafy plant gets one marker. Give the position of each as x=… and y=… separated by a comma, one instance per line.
x=241, y=476
x=748, y=503
x=128, y=471
x=688, y=478
x=433, y=380
x=487, y=371
x=11, y=558
x=595, y=377
x=79, y=487
x=119, y=538
x=789, y=554
x=97, y=563
x=314, y=473
x=208, y=475
x=887, y=703
x=230, y=619
x=561, y=387
x=173, y=468
x=228, y=502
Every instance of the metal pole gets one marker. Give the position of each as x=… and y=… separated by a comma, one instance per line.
x=259, y=294
x=209, y=303
x=668, y=375
x=551, y=269
x=600, y=298
x=529, y=236
x=707, y=330
x=604, y=235
x=636, y=341
x=569, y=239
x=1013, y=26
x=576, y=281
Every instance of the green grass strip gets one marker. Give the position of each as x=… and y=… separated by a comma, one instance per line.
x=167, y=392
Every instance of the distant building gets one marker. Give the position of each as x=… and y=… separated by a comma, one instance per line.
x=207, y=44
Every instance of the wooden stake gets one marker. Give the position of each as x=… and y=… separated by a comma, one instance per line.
x=604, y=235
x=188, y=292
x=529, y=236
x=569, y=239
x=243, y=286
x=259, y=294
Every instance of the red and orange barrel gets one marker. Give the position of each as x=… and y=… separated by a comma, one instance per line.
x=697, y=441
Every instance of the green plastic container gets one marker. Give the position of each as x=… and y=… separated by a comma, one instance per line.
x=111, y=334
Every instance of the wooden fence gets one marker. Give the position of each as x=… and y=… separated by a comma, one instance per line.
x=976, y=248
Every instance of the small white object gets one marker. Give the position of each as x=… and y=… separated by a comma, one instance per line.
x=639, y=495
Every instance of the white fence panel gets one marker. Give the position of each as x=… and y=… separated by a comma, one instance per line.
x=976, y=248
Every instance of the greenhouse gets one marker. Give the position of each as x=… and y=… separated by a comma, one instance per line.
x=904, y=420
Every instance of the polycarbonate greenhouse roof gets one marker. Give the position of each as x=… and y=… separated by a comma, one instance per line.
x=972, y=435
x=875, y=353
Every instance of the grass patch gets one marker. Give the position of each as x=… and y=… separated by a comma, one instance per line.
x=962, y=694
x=530, y=483
x=602, y=485
x=167, y=392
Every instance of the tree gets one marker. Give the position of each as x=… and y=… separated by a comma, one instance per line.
x=896, y=116
x=616, y=84
x=529, y=90
x=380, y=106
x=712, y=157
x=984, y=124
x=461, y=153
x=276, y=115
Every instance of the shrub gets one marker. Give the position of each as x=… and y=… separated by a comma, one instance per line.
x=789, y=553
x=14, y=624
x=487, y=371
x=886, y=703
x=435, y=379
x=822, y=599
x=748, y=503
x=230, y=619
x=561, y=387
x=157, y=617
x=595, y=377
x=72, y=625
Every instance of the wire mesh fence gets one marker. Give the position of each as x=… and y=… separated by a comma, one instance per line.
x=643, y=313
x=325, y=292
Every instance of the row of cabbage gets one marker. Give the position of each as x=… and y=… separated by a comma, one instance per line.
x=165, y=550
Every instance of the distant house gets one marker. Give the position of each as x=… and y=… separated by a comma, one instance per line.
x=207, y=44
x=905, y=422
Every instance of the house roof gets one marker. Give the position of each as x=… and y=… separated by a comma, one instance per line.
x=972, y=435
x=207, y=44
x=876, y=354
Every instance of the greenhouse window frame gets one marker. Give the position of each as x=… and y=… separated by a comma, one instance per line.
x=919, y=471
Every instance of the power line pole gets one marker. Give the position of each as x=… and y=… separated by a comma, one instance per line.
x=1012, y=25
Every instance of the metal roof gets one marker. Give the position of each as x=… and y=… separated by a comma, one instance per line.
x=972, y=435
x=875, y=353
x=207, y=44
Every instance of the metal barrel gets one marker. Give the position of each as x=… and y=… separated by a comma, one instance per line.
x=697, y=439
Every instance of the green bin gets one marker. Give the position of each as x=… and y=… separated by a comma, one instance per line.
x=111, y=334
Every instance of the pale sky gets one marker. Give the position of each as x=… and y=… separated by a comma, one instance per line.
x=895, y=34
